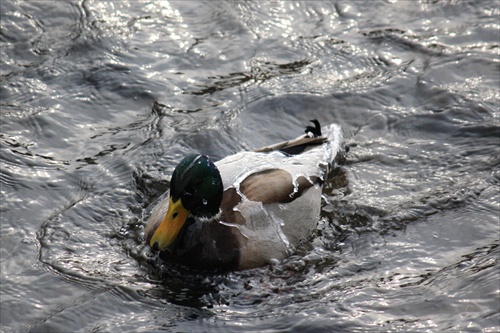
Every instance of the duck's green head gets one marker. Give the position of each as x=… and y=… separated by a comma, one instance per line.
x=195, y=189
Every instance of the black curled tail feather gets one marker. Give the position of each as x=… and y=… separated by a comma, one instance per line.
x=315, y=131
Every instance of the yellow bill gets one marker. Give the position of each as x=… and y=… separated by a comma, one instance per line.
x=170, y=226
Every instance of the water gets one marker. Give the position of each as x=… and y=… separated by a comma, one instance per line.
x=100, y=100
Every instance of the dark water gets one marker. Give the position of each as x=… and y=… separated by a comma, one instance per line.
x=100, y=100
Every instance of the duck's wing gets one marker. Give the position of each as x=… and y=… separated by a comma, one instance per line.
x=275, y=186
x=315, y=159
x=295, y=146
x=305, y=162
x=313, y=137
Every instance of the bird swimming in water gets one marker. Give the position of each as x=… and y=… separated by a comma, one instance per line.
x=246, y=209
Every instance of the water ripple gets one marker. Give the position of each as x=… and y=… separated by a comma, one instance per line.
x=100, y=100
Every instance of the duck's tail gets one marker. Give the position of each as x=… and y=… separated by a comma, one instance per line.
x=314, y=136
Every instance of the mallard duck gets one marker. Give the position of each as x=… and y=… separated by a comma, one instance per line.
x=246, y=209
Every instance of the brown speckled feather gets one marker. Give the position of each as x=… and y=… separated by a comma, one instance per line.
x=274, y=186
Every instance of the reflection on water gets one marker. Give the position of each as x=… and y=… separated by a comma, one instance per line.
x=100, y=100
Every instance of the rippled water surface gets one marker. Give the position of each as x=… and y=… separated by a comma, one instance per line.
x=100, y=100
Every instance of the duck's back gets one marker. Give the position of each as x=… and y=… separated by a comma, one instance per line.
x=278, y=197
